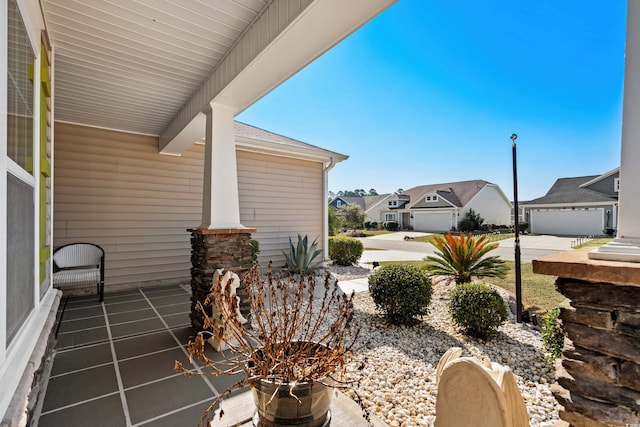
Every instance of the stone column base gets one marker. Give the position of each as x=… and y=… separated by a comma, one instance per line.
x=229, y=249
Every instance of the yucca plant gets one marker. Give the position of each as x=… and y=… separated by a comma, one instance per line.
x=302, y=257
x=463, y=257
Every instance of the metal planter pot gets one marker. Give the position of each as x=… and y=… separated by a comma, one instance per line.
x=282, y=409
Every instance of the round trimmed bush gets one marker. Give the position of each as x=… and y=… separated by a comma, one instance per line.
x=345, y=250
x=390, y=225
x=477, y=309
x=552, y=334
x=402, y=292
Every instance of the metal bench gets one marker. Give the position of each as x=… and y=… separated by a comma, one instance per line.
x=79, y=264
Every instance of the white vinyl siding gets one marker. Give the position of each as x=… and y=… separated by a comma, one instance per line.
x=114, y=189
x=280, y=197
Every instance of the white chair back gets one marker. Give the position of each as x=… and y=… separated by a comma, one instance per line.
x=78, y=255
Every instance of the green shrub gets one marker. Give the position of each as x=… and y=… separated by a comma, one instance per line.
x=367, y=225
x=477, y=309
x=302, y=258
x=552, y=334
x=466, y=225
x=255, y=249
x=390, y=225
x=402, y=292
x=345, y=250
x=374, y=225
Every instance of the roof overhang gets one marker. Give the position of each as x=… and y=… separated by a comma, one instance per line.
x=247, y=74
x=601, y=177
x=310, y=153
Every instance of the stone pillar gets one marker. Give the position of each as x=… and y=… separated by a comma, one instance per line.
x=599, y=374
x=212, y=249
x=626, y=246
x=221, y=241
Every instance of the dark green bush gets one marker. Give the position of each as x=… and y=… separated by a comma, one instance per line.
x=390, y=225
x=552, y=334
x=345, y=250
x=255, y=249
x=465, y=225
x=374, y=225
x=477, y=309
x=402, y=292
x=367, y=225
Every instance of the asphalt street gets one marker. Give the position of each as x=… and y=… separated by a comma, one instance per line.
x=393, y=247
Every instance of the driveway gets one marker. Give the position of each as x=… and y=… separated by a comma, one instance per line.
x=397, y=249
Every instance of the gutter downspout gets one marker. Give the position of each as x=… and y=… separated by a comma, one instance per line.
x=325, y=206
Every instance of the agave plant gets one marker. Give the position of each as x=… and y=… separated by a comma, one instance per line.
x=463, y=257
x=302, y=258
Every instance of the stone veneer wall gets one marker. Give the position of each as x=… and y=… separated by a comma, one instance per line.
x=599, y=380
x=213, y=249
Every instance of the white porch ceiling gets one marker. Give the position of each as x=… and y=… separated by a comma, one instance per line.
x=153, y=66
x=131, y=64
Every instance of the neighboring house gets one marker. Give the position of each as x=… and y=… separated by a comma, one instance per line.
x=371, y=205
x=103, y=104
x=577, y=206
x=439, y=207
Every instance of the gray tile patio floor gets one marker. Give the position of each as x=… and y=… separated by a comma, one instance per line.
x=113, y=363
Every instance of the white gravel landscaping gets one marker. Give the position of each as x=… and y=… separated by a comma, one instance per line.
x=397, y=378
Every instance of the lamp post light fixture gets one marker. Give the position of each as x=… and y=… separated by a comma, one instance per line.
x=517, y=233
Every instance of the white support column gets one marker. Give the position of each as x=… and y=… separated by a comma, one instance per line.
x=220, y=201
x=626, y=246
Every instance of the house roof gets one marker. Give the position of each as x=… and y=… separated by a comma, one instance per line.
x=353, y=200
x=248, y=136
x=457, y=193
x=570, y=190
x=365, y=202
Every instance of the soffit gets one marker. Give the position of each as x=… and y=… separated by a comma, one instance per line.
x=132, y=64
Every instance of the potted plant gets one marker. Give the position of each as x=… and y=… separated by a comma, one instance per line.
x=292, y=351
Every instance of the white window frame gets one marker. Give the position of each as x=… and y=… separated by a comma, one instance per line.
x=390, y=216
x=616, y=185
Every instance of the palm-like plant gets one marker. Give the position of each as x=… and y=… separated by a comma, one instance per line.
x=463, y=257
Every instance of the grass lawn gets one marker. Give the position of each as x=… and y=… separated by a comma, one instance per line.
x=538, y=291
x=368, y=233
x=594, y=243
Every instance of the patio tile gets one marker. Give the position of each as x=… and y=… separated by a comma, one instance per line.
x=118, y=298
x=76, y=325
x=175, y=320
x=161, y=397
x=82, y=303
x=150, y=367
x=80, y=358
x=72, y=314
x=79, y=386
x=105, y=412
x=76, y=338
x=148, y=343
x=122, y=307
x=171, y=290
x=188, y=417
x=184, y=334
x=170, y=300
x=136, y=328
x=131, y=316
x=174, y=309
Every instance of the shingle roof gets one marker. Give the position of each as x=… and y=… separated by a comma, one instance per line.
x=568, y=190
x=354, y=200
x=457, y=193
x=370, y=201
x=244, y=130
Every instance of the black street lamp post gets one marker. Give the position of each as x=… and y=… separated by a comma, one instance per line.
x=517, y=233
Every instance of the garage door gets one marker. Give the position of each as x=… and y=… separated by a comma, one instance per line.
x=568, y=222
x=432, y=221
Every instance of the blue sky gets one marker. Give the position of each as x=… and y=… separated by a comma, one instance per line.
x=431, y=90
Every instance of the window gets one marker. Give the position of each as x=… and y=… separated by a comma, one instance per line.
x=19, y=92
x=392, y=203
x=431, y=198
x=390, y=217
x=616, y=185
x=339, y=203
